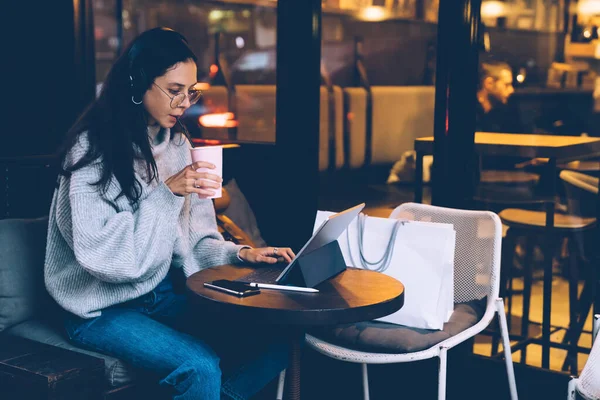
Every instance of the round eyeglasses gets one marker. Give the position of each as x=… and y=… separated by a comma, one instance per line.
x=193, y=96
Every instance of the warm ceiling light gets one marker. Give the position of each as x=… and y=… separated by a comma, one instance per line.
x=215, y=15
x=493, y=9
x=373, y=13
x=588, y=7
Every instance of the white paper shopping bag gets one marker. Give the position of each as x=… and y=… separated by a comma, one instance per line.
x=419, y=254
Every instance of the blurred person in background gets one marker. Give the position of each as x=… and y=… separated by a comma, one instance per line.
x=494, y=90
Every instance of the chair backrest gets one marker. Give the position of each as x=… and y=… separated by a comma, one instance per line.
x=331, y=129
x=477, y=250
x=22, y=250
x=355, y=135
x=589, y=380
x=581, y=190
x=255, y=107
x=400, y=115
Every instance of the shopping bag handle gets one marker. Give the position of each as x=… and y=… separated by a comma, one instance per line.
x=384, y=262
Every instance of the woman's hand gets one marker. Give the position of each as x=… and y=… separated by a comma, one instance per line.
x=269, y=255
x=189, y=181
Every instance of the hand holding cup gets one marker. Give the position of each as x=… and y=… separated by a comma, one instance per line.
x=212, y=155
x=188, y=180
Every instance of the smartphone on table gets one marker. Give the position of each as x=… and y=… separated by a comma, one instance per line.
x=239, y=289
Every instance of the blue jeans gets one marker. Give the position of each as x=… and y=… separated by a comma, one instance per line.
x=188, y=352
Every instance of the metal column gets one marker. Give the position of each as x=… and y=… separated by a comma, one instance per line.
x=293, y=180
x=454, y=167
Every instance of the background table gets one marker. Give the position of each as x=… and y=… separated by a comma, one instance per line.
x=351, y=296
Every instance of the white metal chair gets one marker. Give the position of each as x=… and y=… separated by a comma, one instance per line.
x=587, y=385
x=280, y=385
x=476, y=275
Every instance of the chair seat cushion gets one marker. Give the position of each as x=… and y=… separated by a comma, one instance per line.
x=521, y=218
x=383, y=337
x=508, y=178
x=115, y=371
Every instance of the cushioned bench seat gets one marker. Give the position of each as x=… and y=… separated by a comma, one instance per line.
x=116, y=372
x=24, y=303
x=383, y=337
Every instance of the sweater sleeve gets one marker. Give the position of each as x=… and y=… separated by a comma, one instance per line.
x=209, y=247
x=121, y=246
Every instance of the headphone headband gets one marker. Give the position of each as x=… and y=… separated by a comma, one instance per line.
x=137, y=79
x=154, y=34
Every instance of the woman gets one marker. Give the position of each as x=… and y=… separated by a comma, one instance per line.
x=127, y=216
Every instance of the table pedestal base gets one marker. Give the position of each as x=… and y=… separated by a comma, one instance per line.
x=292, y=374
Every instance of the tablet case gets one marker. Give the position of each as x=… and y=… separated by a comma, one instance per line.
x=317, y=266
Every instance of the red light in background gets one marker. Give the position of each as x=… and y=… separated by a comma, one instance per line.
x=218, y=120
x=213, y=70
x=208, y=142
x=202, y=86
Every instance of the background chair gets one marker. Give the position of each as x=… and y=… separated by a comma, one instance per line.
x=581, y=190
x=476, y=277
x=587, y=384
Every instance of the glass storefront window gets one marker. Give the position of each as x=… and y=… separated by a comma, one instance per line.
x=105, y=35
x=532, y=15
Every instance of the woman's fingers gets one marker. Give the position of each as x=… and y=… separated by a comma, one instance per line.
x=201, y=164
x=210, y=177
x=284, y=254
x=189, y=181
x=189, y=174
x=269, y=259
x=271, y=255
x=280, y=254
x=289, y=254
x=202, y=183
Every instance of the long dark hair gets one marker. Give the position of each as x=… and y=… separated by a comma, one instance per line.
x=117, y=129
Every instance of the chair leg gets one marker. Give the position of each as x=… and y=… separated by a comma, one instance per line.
x=527, y=283
x=573, y=305
x=365, y=380
x=442, y=373
x=510, y=371
x=583, y=307
x=280, y=385
x=508, y=254
x=571, y=389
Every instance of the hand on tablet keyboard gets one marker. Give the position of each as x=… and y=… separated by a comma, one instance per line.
x=268, y=255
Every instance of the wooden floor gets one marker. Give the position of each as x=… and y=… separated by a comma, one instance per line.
x=559, y=319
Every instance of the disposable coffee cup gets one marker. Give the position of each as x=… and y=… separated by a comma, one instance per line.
x=213, y=155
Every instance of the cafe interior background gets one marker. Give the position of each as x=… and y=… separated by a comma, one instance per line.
x=383, y=50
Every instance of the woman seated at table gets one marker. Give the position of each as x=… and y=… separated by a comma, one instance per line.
x=129, y=213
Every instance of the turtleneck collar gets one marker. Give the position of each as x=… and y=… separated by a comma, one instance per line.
x=155, y=133
x=159, y=139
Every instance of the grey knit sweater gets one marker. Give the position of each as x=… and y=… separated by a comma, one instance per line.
x=102, y=251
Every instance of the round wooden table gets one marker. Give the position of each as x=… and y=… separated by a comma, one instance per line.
x=351, y=296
